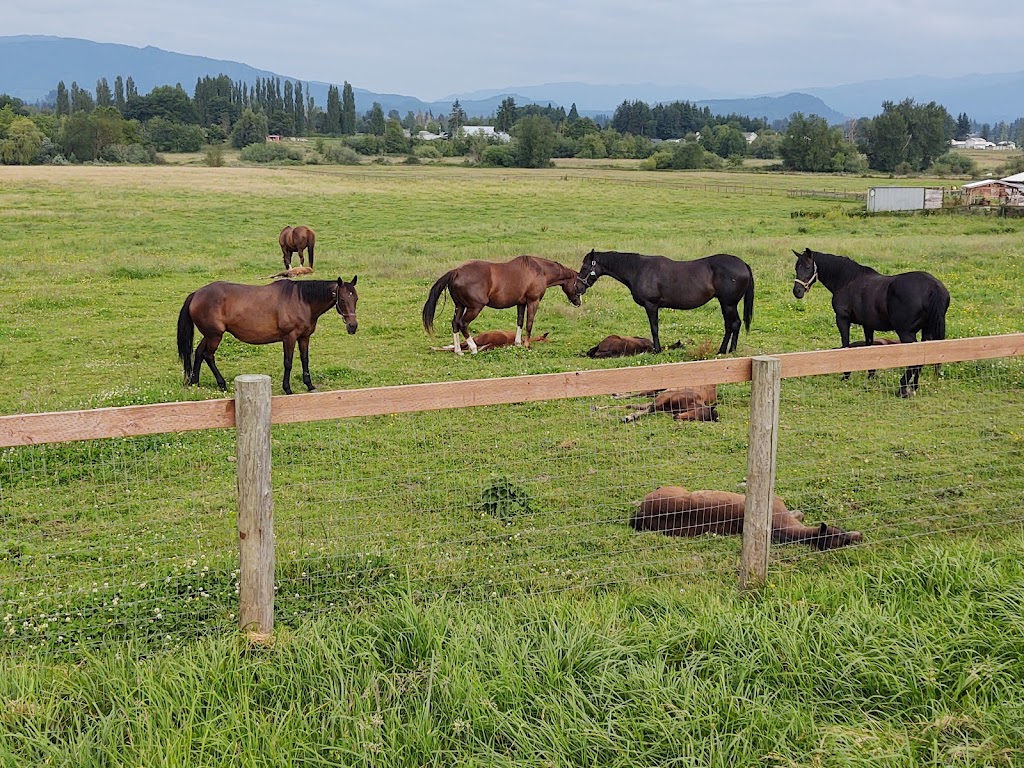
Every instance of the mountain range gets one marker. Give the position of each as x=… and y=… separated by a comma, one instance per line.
x=32, y=65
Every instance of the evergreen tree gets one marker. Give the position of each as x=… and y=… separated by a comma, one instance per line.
x=81, y=99
x=333, y=122
x=104, y=98
x=119, y=94
x=299, y=110
x=963, y=126
x=130, y=91
x=456, y=119
x=63, y=105
x=348, y=110
x=573, y=114
x=375, y=119
x=506, y=116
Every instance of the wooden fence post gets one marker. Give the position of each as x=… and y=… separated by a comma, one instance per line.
x=255, y=505
x=761, y=449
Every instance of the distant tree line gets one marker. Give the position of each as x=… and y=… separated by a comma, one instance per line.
x=116, y=123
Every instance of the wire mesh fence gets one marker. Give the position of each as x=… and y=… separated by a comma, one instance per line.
x=135, y=538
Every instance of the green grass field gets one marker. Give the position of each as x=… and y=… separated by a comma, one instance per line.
x=415, y=627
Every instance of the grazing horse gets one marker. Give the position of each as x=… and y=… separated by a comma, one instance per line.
x=518, y=283
x=657, y=282
x=676, y=511
x=685, y=404
x=295, y=240
x=284, y=311
x=904, y=303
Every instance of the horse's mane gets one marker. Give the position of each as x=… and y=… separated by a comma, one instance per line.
x=841, y=265
x=314, y=291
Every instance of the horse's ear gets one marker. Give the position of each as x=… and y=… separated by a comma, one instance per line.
x=797, y=254
x=354, y=278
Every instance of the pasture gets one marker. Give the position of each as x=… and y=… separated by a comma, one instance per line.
x=416, y=628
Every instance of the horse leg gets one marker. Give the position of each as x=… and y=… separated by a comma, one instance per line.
x=844, y=335
x=287, y=258
x=520, y=313
x=908, y=383
x=652, y=318
x=211, y=342
x=731, y=317
x=469, y=314
x=197, y=362
x=304, y=358
x=288, y=343
x=869, y=340
x=531, y=312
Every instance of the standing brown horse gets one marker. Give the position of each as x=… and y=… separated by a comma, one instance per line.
x=284, y=311
x=518, y=283
x=295, y=240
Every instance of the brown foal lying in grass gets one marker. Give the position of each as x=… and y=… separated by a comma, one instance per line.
x=675, y=511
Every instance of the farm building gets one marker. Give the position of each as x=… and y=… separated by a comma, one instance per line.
x=904, y=199
x=995, y=192
x=487, y=131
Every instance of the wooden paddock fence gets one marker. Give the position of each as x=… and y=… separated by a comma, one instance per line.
x=253, y=412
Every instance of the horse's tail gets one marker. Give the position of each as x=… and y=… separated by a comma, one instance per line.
x=435, y=293
x=185, y=331
x=748, y=300
x=935, y=316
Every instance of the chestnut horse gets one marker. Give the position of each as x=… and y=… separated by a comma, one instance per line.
x=676, y=511
x=295, y=240
x=284, y=311
x=493, y=340
x=518, y=283
x=685, y=404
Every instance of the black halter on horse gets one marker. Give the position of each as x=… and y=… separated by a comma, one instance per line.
x=656, y=282
x=907, y=303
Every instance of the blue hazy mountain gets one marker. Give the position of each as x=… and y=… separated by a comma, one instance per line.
x=32, y=65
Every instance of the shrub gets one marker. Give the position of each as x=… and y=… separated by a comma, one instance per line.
x=339, y=154
x=427, y=152
x=214, y=156
x=498, y=156
x=135, y=154
x=270, y=152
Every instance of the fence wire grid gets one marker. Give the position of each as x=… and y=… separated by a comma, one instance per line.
x=136, y=538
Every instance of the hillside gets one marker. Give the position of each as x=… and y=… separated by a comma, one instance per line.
x=32, y=65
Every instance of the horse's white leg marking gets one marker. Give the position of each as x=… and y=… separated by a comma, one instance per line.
x=457, y=347
x=472, y=344
x=519, y=336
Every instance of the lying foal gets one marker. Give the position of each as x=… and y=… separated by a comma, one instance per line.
x=675, y=511
x=491, y=340
x=685, y=404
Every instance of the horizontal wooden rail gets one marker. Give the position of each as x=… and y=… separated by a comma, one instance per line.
x=130, y=421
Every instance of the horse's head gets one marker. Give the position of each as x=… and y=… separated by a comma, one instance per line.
x=589, y=272
x=806, y=272
x=573, y=288
x=833, y=537
x=345, y=301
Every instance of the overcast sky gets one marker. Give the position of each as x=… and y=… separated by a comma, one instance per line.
x=435, y=49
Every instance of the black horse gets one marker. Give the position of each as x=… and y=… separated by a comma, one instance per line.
x=657, y=282
x=904, y=303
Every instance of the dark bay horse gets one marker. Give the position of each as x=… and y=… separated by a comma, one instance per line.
x=657, y=282
x=295, y=240
x=518, y=283
x=284, y=311
x=904, y=303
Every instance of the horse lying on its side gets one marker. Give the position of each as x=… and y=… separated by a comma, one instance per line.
x=492, y=340
x=675, y=511
x=621, y=346
x=685, y=404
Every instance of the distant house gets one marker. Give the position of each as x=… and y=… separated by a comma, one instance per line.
x=274, y=137
x=750, y=136
x=972, y=142
x=428, y=136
